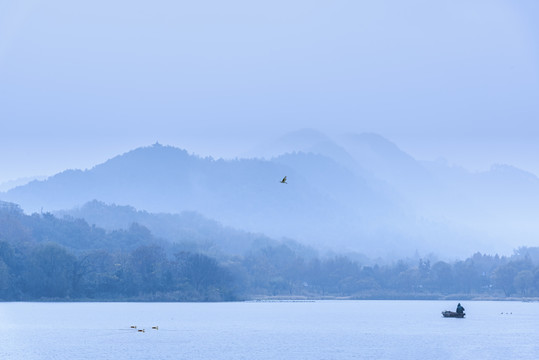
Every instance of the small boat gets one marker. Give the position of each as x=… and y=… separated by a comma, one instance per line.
x=453, y=314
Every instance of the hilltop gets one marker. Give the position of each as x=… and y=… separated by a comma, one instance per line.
x=358, y=193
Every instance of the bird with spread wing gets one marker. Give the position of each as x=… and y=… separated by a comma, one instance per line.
x=283, y=181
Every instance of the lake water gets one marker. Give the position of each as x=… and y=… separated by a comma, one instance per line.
x=269, y=330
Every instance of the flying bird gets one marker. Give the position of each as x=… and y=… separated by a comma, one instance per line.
x=283, y=181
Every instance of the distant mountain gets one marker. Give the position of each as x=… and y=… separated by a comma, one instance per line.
x=304, y=140
x=7, y=185
x=502, y=202
x=323, y=202
x=359, y=192
x=494, y=210
x=307, y=141
x=386, y=161
x=188, y=229
x=23, y=231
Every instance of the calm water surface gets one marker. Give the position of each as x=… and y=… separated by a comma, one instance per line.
x=269, y=330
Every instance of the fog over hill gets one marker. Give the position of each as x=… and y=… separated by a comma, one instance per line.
x=495, y=207
x=188, y=231
x=359, y=192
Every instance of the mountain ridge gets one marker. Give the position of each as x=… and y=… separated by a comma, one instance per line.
x=369, y=196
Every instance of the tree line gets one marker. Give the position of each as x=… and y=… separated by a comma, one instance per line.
x=46, y=258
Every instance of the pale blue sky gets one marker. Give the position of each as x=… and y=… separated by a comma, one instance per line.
x=81, y=82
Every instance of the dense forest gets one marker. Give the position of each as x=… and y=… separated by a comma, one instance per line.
x=43, y=257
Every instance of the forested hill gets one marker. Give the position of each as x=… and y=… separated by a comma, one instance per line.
x=75, y=234
x=43, y=257
x=46, y=258
x=361, y=193
x=189, y=229
x=323, y=202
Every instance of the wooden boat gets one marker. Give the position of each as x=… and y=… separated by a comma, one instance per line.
x=453, y=314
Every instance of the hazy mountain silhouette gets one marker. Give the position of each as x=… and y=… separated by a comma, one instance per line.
x=245, y=193
x=502, y=202
x=360, y=192
x=307, y=141
x=449, y=205
x=188, y=229
x=7, y=185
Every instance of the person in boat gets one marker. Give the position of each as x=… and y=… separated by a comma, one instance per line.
x=460, y=309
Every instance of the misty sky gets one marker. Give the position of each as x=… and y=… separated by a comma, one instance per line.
x=81, y=82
